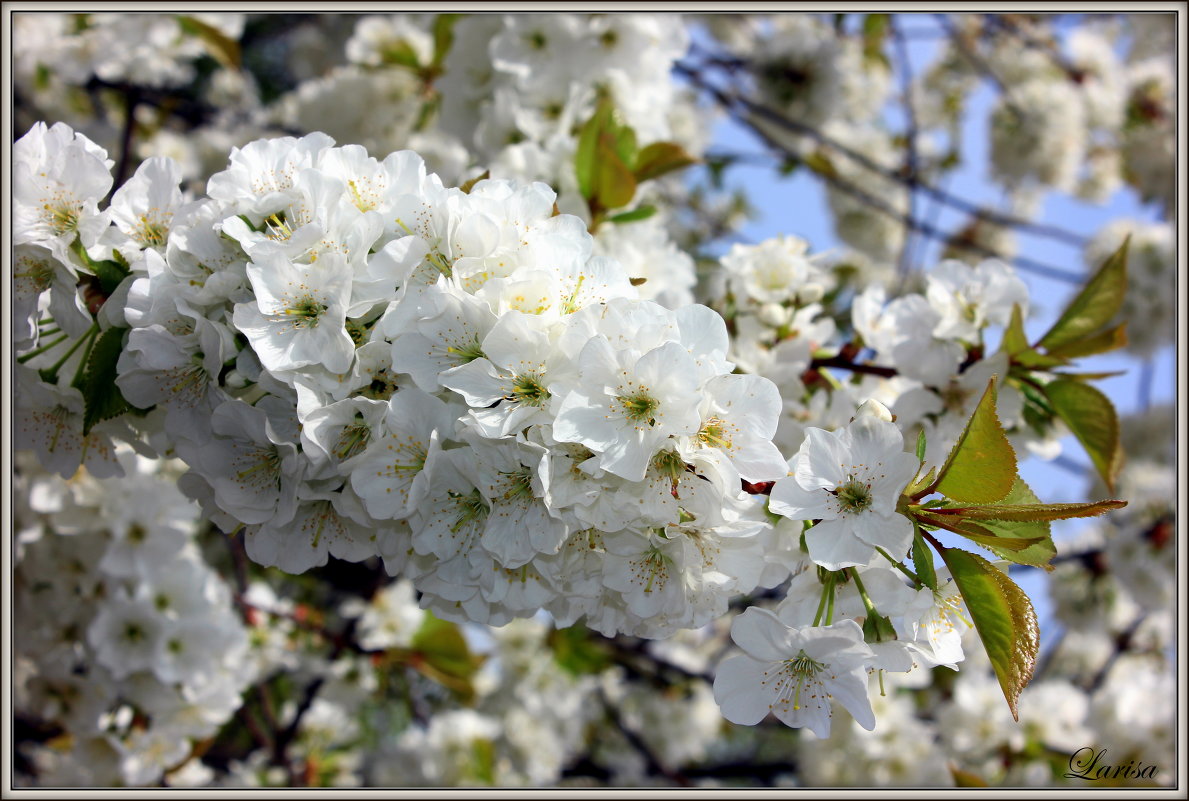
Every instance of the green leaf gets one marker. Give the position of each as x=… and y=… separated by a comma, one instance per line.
x=920, y=484
x=921, y=444
x=579, y=652
x=102, y=399
x=110, y=275
x=878, y=628
x=400, y=54
x=1014, y=338
x=441, y=644
x=820, y=163
x=661, y=158
x=222, y=48
x=1003, y=617
x=623, y=141
x=981, y=468
x=636, y=214
x=922, y=560
x=964, y=778
x=1037, y=555
x=585, y=155
x=875, y=30
x=443, y=37
x=1102, y=342
x=614, y=184
x=1093, y=307
x=1092, y=419
x=604, y=159
x=1015, y=345
x=1025, y=542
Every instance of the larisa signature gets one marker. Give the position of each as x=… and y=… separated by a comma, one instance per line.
x=1086, y=763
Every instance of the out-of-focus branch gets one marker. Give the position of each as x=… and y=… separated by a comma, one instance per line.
x=733, y=103
x=967, y=49
x=655, y=766
x=731, y=100
x=910, y=147
x=1009, y=25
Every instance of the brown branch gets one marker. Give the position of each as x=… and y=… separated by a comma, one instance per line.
x=854, y=367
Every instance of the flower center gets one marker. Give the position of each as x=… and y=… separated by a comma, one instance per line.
x=527, y=389
x=798, y=671
x=471, y=509
x=306, y=311
x=639, y=407
x=467, y=350
x=714, y=434
x=61, y=217
x=853, y=496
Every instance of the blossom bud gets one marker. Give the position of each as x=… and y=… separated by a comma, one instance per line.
x=774, y=315
x=235, y=379
x=874, y=408
x=811, y=293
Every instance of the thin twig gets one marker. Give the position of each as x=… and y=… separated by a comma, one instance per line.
x=1008, y=24
x=733, y=102
x=1122, y=644
x=655, y=766
x=959, y=40
x=730, y=99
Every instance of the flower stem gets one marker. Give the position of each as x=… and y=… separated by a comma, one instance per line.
x=90, y=337
x=827, y=590
x=900, y=566
x=47, y=346
x=867, y=604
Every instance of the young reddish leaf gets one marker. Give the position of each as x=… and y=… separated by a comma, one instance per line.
x=975, y=532
x=1095, y=306
x=661, y=158
x=1092, y=419
x=1038, y=555
x=981, y=468
x=1032, y=513
x=1003, y=617
x=469, y=185
x=964, y=778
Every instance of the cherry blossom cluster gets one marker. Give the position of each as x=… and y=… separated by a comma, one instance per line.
x=356, y=360
x=128, y=640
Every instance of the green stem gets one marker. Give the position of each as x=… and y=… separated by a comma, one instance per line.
x=899, y=566
x=827, y=588
x=867, y=604
x=49, y=332
x=48, y=346
x=90, y=337
x=830, y=606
